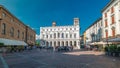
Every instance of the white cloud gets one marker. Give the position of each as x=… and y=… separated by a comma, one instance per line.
x=37, y=37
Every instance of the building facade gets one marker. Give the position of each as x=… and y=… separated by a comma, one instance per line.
x=12, y=28
x=111, y=20
x=61, y=35
x=109, y=29
x=94, y=33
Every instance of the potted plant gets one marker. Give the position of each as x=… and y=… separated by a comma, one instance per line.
x=106, y=50
x=113, y=49
x=118, y=51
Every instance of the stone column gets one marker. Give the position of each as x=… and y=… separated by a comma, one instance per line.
x=68, y=43
x=60, y=43
x=78, y=44
x=56, y=43
x=72, y=43
x=53, y=43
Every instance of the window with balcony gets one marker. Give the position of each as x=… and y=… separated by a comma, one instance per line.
x=106, y=32
x=105, y=15
x=113, y=19
x=112, y=9
x=113, y=32
x=106, y=23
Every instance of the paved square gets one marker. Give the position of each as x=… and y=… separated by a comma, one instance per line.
x=49, y=59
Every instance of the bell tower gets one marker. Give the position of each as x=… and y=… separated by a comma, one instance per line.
x=76, y=21
x=53, y=24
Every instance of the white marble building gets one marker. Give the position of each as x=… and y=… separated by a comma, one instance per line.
x=61, y=35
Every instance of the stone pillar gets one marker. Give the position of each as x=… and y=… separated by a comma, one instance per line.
x=68, y=43
x=78, y=44
x=60, y=43
x=56, y=35
x=56, y=43
x=52, y=43
x=72, y=43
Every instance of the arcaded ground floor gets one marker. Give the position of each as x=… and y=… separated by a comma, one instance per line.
x=48, y=59
x=54, y=43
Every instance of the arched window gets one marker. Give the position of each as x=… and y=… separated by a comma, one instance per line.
x=46, y=36
x=62, y=35
x=74, y=35
x=66, y=35
x=47, y=43
x=18, y=34
x=66, y=43
x=54, y=43
x=22, y=35
x=4, y=28
x=50, y=35
x=58, y=43
x=62, y=43
x=70, y=43
x=12, y=32
x=54, y=35
x=74, y=43
x=70, y=35
x=51, y=43
x=58, y=35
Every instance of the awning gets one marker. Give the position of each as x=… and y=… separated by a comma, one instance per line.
x=114, y=40
x=12, y=42
x=100, y=43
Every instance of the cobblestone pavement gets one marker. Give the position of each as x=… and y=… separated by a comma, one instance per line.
x=49, y=59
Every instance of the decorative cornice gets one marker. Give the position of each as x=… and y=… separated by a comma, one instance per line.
x=111, y=1
x=1, y=6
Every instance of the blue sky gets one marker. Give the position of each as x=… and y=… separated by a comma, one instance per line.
x=40, y=13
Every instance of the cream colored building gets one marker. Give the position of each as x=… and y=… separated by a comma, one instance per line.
x=93, y=34
x=111, y=20
x=61, y=35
